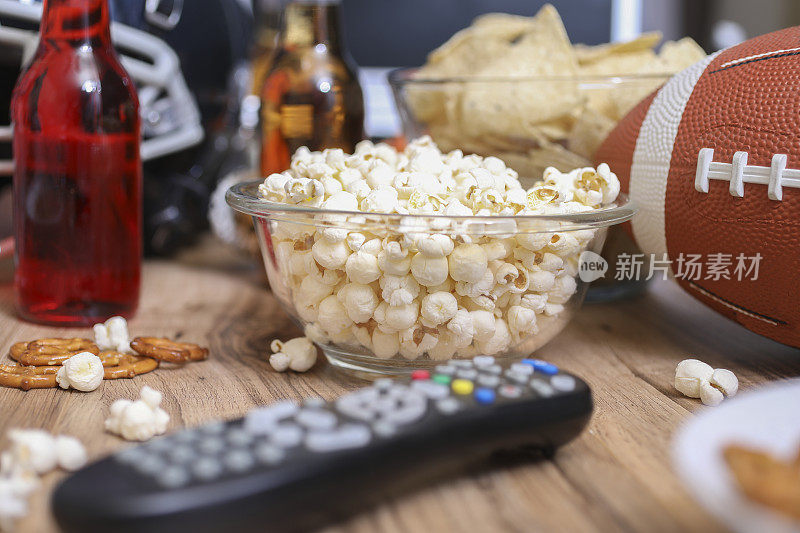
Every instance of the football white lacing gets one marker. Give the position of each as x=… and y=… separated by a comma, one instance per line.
x=775, y=177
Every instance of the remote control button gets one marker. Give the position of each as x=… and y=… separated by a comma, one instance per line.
x=510, y=391
x=213, y=428
x=240, y=437
x=448, y=406
x=158, y=445
x=384, y=429
x=483, y=360
x=461, y=363
x=262, y=420
x=268, y=454
x=383, y=384
x=316, y=419
x=239, y=460
x=467, y=373
x=314, y=403
x=173, y=477
x=542, y=389
x=186, y=436
x=488, y=381
x=358, y=404
x=516, y=377
x=182, y=454
x=446, y=370
x=411, y=409
x=130, y=455
x=207, y=469
x=563, y=383
x=431, y=389
x=462, y=386
x=492, y=369
x=441, y=378
x=150, y=465
x=484, y=396
x=211, y=445
x=541, y=366
x=522, y=368
x=397, y=392
x=286, y=436
x=347, y=436
x=420, y=375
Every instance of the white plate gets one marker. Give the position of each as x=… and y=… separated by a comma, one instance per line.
x=767, y=419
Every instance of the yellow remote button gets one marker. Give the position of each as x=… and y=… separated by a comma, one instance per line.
x=462, y=386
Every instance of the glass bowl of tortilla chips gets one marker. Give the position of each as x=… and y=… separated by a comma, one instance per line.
x=516, y=88
x=529, y=123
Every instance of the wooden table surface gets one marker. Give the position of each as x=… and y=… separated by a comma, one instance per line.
x=616, y=476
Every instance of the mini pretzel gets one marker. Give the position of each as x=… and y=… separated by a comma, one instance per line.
x=28, y=377
x=124, y=365
x=169, y=351
x=44, y=352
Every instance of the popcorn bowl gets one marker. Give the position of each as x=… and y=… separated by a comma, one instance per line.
x=503, y=286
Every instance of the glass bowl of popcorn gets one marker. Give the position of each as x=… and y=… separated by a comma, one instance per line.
x=392, y=261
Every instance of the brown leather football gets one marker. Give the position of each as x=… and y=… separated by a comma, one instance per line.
x=712, y=160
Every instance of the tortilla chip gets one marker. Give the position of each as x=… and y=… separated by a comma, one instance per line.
x=588, y=54
x=677, y=55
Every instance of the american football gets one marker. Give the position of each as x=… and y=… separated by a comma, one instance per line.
x=712, y=161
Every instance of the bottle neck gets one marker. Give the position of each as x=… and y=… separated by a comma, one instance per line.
x=76, y=20
x=309, y=22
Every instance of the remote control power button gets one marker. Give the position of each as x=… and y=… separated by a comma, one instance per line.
x=462, y=386
x=418, y=375
x=563, y=383
x=347, y=436
x=484, y=396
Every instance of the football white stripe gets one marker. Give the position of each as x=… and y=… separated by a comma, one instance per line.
x=651, y=157
x=758, y=56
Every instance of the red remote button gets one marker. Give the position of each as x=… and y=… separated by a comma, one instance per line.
x=420, y=374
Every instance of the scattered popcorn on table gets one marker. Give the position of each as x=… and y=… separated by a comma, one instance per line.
x=113, y=335
x=697, y=379
x=426, y=290
x=83, y=372
x=138, y=420
x=33, y=453
x=298, y=354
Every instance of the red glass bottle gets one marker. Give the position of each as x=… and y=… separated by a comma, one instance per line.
x=78, y=173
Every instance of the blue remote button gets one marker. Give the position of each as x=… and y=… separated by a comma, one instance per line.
x=484, y=396
x=544, y=367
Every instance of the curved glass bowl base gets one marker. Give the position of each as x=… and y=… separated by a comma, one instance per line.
x=370, y=367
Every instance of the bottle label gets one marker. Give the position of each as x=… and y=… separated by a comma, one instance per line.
x=297, y=121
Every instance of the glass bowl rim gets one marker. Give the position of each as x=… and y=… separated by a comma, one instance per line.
x=243, y=197
x=403, y=75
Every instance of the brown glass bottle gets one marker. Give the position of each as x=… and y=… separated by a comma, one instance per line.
x=311, y=96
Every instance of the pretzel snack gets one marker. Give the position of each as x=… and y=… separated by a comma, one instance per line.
x=117, y=365
x=27, y=377
x=169, y=351
x=45, y=352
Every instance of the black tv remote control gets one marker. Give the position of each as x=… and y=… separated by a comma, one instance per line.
x=291, y=466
